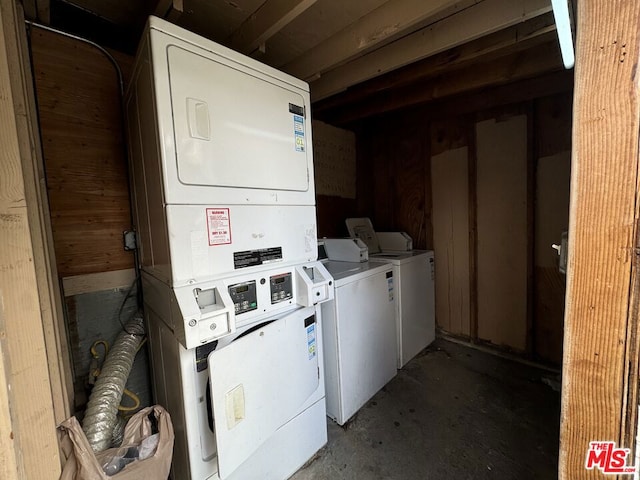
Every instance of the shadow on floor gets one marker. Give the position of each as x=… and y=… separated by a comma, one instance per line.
x=453, y=412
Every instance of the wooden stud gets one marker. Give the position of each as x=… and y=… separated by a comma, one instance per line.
x=264, y=23
x=473, y=231
x=28, y=428
x=59, y=359
x=43, y=8
x=531, y=238
x=599, y=392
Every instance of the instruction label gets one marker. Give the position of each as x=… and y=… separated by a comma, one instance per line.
x=390, y=285
x=218, y=226
x=251, y=258
x=298, y=131
x=311, y=340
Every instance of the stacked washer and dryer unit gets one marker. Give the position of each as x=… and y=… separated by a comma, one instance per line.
x=222, y=179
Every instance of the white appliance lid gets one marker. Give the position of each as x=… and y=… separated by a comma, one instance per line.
x=347, y=272
x=362, y=228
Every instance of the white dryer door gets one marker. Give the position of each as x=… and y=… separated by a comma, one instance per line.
x=260, y=382
x=234, y=129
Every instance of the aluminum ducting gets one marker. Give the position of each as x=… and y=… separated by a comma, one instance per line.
x=102, y=410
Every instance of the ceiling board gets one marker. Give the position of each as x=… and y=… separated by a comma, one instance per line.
x=119, y=12
x=321, y=21
x=265, y=22
x=216, y=19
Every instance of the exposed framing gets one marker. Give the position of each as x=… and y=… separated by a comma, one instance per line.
x=34, y=396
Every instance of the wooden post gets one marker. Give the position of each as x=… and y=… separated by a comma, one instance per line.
x=600, y=356
x=28, y=443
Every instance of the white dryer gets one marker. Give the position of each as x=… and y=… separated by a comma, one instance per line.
x=414, y=273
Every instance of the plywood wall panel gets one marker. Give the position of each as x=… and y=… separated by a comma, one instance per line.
x=502, y=231
x=553, y=121
x=411, y=179
x=394, y=186
x=81, y=126
x=382, y=210
x=449, y=173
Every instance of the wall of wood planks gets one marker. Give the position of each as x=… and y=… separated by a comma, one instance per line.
x=81, y=127
x=421, y=171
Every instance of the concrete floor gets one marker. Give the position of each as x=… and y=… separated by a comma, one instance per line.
x=453, y=412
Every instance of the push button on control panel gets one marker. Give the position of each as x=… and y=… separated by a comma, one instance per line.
x=281, y=288
x=244, y=297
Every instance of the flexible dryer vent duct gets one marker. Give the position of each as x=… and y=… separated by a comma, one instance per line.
x=102, y=409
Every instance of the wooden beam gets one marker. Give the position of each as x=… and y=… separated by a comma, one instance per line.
x=97, y=282
x=30, y=9
x=59, y=357
x=482, y=19
x=264, y=23
x=543, y=59
x=505, y=42
x=600, y=381
x=169, y=9
x=43, y=7
x=26, y=407
x=389, y=20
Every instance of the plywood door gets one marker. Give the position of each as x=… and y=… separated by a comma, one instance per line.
x=450, y=191
x=502, y=231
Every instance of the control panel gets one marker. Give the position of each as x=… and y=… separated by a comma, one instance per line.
x=244, y=296
x=210, y=310
x=281, y=287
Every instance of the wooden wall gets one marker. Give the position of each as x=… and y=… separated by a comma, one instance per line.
x=81, y=127
x=488, y=190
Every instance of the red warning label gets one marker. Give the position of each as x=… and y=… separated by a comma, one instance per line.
x=218, y=226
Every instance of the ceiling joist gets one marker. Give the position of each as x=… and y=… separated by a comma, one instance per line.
x=481, y=19
x=388, y=20
x=269, y=19
x=518, y=38
x=169, y=9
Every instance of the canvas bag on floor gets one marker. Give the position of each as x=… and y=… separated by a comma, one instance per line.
x=80, y=463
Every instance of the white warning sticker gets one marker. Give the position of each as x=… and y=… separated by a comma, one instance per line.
x=218, y=226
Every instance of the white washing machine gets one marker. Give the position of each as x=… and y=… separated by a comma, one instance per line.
x=359, y=333
x=414, y=273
